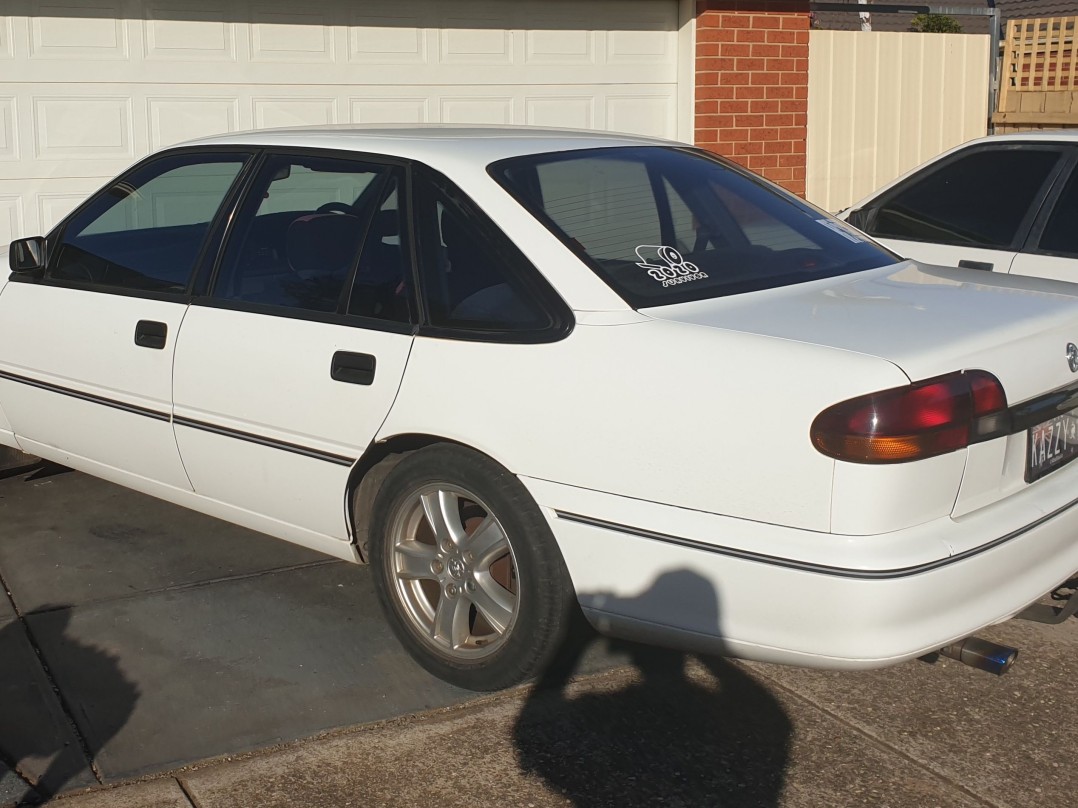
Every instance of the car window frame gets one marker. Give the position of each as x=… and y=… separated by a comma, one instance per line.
x=520, y=267
x=1025, y=226
x=55, y=237
x=205, y=297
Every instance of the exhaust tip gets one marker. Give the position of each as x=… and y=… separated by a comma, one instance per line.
x=982, y=654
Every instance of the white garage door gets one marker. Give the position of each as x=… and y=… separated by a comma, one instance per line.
x=89, y=86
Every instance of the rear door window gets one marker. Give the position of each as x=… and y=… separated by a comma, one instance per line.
x=319, y=234
x=982, y=199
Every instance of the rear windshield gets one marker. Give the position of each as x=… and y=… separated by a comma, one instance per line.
x=668, y=225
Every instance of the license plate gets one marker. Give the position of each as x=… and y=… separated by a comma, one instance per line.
x=1052, y=444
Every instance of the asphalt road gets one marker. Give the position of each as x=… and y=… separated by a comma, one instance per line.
x=142, y=641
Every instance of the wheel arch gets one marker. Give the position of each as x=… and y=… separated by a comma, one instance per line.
x=371, y=469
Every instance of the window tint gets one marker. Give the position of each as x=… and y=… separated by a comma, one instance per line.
x=979, y=199
x=473, y=276
x=664, y=225
x=1061, y=233
x=146, y=231
x=299, y=235
x=607, y=208
x=383, y=283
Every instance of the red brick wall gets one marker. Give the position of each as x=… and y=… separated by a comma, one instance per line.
x=752, y=85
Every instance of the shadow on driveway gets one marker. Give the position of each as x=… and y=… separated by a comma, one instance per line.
x=713, y=737
x=32, y=724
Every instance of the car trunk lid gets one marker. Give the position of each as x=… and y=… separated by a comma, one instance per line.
x=926, y=320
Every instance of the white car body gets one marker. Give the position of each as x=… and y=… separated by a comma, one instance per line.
x=655, y=440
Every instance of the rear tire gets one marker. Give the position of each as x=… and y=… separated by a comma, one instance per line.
x=468, y=572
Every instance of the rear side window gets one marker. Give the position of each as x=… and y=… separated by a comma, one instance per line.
x=667, y=225
x=977, y=200
x=477, y=284
x=146, y=231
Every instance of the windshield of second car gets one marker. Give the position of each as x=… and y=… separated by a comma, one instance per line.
x=667, y=225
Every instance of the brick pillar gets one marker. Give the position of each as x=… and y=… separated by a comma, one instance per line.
x=752, y=85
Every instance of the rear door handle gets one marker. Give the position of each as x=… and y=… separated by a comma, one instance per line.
x=966, y=264
x=151, y=334
x=352, y=368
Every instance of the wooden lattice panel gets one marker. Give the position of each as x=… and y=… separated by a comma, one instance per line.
x=1039, y=83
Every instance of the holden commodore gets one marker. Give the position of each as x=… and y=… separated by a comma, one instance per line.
x=524, y=371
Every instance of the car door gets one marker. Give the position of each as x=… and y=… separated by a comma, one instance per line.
x=86, y=349
x=971, y=209
x=287, y=368
x=1052, y=249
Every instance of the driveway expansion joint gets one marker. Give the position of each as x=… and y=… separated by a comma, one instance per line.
x=69, y=713
x=187, y=793
x=244, y=576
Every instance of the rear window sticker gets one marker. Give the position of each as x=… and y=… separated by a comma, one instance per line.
x=666, y=265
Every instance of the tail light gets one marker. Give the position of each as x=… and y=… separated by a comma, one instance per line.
x=921, y=420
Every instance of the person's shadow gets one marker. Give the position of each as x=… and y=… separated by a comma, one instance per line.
x=34, y=726
x=675, y=736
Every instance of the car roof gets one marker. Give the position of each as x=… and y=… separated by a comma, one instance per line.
x=433, y=142
x=1050, y=135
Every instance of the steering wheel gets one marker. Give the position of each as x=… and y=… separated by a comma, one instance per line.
x=335, y=207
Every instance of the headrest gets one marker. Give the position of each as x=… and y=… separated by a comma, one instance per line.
x=322, y=242
x=385, y=223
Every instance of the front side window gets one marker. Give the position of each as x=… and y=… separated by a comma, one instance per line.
x=978, y=200
x=146, y=231
x=319, y=234
x=667, y=225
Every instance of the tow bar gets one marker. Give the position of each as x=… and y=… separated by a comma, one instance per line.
x=1046, y=613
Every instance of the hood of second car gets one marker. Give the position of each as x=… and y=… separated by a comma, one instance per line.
x=926, y=320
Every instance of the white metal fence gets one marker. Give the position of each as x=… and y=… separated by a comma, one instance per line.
x=881, y=103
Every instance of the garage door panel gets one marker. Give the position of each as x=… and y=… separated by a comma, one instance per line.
x=200, y=34
x=78, y=127
x=32, y=207
x=640, y=114
x=560, y=110
x=11, y=217
x=8, y=144
x=7, y=50
x=373, y=110
x=276, y=111
x=174, y=119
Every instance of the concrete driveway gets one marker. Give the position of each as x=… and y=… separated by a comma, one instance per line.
x=224, y=668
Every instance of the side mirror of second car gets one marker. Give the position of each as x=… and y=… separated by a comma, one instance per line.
x=861, y=218
x=27, y=255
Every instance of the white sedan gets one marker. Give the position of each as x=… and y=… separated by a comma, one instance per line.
x=522, y=370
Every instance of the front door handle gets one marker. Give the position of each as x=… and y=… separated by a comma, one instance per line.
x=151, y=334
x=967, y=264
x=352, y=368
